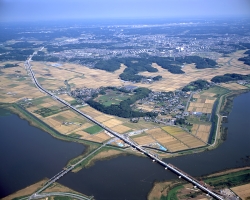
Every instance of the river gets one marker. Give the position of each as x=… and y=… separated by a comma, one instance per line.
x=124, y=177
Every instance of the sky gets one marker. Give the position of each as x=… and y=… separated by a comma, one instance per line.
x=36, y=10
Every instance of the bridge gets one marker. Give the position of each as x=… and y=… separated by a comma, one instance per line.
x=121, y=137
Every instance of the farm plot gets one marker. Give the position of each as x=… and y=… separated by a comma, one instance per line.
x=103, y=136
x=242, y=191
x=83, y=134
x=204, y=103
x=66, y=122
x=233, y=86
x=186, y=138
x=121, y=128
x=171, y=143
x=91, y=112
x=112, y=122
x=144, y=140
x=203, y=132
x=93, y=129
x=227, y=65
x=111, y=97
x=103, y=118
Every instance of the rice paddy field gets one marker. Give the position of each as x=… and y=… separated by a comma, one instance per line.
x=167, y=140
x=81, y=76
x=233, y=86
x=201, y=131
x=172, y=82
x=172, y=138
x=242, y=191
x=204, y=102
x=15, y=85
x=186, y=138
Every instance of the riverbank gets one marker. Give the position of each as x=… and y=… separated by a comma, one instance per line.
x=104, y=154
x=224, y=105
x=55, y=187
x=178, y=188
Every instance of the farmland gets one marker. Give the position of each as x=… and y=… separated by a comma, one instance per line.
x=16, y=86
x=111, y=97
x=173, y=139
x=233, y=86
x=242, y=191
x=81, y=76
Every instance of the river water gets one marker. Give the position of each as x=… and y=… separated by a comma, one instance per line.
x=31, y=154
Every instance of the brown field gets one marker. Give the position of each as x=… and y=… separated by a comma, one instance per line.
x=242, y=191
x=144, y=107
x=95, y=138
x=13, y=89
x=55, y=187
x=233, y=86
x=112, y=122
x=26, y=191
x=103, y=118
x=82, y=76
x=86, y=125
x=103, y=136
x=121, y=129
x=105, y=155
x=91, y=111
x=66, y=97
x=52, y=122
x=65, y=129
x=166, y=140
x=201, y=131
x=144, y=140
x=83, y=134
x=204, y=102
x=184, y=137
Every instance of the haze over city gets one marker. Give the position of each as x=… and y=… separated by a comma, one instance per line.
x=30, y=10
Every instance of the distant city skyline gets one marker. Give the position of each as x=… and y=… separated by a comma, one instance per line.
x=37, y=10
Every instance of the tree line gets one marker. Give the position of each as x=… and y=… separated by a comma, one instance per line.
x=137, y=65
x=230, y=77
x=124, y=108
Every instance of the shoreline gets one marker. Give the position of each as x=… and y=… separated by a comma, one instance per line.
x=225, y=102
x=162, y=189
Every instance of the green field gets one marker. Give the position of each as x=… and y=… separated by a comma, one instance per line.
x=93, y=129
x=230, y=180
x=217, y=90
x=75, y=135
x=45, y=112
x=112, y=97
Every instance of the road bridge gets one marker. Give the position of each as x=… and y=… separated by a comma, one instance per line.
x=121, y=137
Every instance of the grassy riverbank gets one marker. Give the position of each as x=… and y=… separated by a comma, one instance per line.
x=179, y=189
x=55, y=187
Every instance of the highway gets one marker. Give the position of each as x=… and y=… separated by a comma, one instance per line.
x=121, y=137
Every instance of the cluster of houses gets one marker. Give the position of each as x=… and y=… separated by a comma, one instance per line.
x=166, y=103
x=84, y=93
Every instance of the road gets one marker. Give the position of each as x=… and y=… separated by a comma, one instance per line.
x=65, y=171
x=121, y=137
x=67, y=194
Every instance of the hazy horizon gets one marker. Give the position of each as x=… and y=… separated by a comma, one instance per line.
x=45, y=10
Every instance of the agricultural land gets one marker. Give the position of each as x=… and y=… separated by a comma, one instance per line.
x=158, y=133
